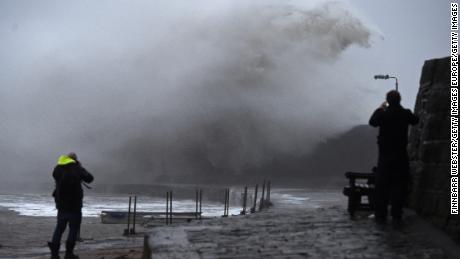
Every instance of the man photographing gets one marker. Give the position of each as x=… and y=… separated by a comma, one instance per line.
x=68, y=195
x=392, y=174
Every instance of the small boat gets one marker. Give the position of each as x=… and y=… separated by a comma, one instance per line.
x=143, y=217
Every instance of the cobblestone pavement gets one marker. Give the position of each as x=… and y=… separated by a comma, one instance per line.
x=294, y=233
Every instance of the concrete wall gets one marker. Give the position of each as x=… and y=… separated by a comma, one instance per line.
x=429, y=147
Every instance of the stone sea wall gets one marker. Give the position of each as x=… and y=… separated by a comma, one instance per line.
x=429, y=147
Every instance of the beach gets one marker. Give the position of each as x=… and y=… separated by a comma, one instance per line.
x=26, y=237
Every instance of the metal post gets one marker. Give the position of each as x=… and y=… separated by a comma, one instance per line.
x=170, y=207
x=129, y=216
x=261, y=205
x=253, y=209
x=196, y=204
x=269, y=187
x=228, y=200
x=134, y=215
x=245, y=197
x=167, y=207
x=201, y=199
x=225, y=201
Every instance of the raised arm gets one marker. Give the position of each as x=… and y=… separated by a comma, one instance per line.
x=376, y=118
x=85, y=175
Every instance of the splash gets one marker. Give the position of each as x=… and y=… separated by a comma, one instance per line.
x=186, y=89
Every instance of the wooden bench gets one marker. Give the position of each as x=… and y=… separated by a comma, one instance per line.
x=360, y=184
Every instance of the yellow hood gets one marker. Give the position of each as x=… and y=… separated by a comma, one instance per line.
x=65, y=160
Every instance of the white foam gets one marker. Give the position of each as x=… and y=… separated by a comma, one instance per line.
x=39, y=205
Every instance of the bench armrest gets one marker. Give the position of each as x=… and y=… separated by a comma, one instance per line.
x=357, y=175
x=352, y=176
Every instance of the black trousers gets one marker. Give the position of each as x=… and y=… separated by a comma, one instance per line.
x=64, y=218
x=391, y=185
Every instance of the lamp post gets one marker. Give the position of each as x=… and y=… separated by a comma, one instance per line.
x=386, y=77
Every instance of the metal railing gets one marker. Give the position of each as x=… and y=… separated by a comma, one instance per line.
x=170, y=216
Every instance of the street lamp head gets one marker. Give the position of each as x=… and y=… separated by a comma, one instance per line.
x=385, y=77
x=381, y=77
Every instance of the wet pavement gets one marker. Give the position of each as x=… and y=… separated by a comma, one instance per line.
x=293, y=232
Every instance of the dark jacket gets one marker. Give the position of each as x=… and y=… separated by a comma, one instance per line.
x=393, y=123
x=68, y=175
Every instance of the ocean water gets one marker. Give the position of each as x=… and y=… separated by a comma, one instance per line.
x=42, y=205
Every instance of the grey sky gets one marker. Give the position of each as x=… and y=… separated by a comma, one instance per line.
x=413, y=31
x=239, y=81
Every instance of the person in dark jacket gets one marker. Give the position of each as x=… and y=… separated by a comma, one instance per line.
x=68, y=196
x=392, y=176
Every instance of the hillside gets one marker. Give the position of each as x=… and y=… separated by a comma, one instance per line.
x=353, y=150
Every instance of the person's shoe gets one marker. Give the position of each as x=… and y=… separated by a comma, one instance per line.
x=380, y=221
x=54, y=248
x=397, y=223
x=69, y=251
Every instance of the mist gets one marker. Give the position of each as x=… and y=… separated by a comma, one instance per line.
x=148, y=89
